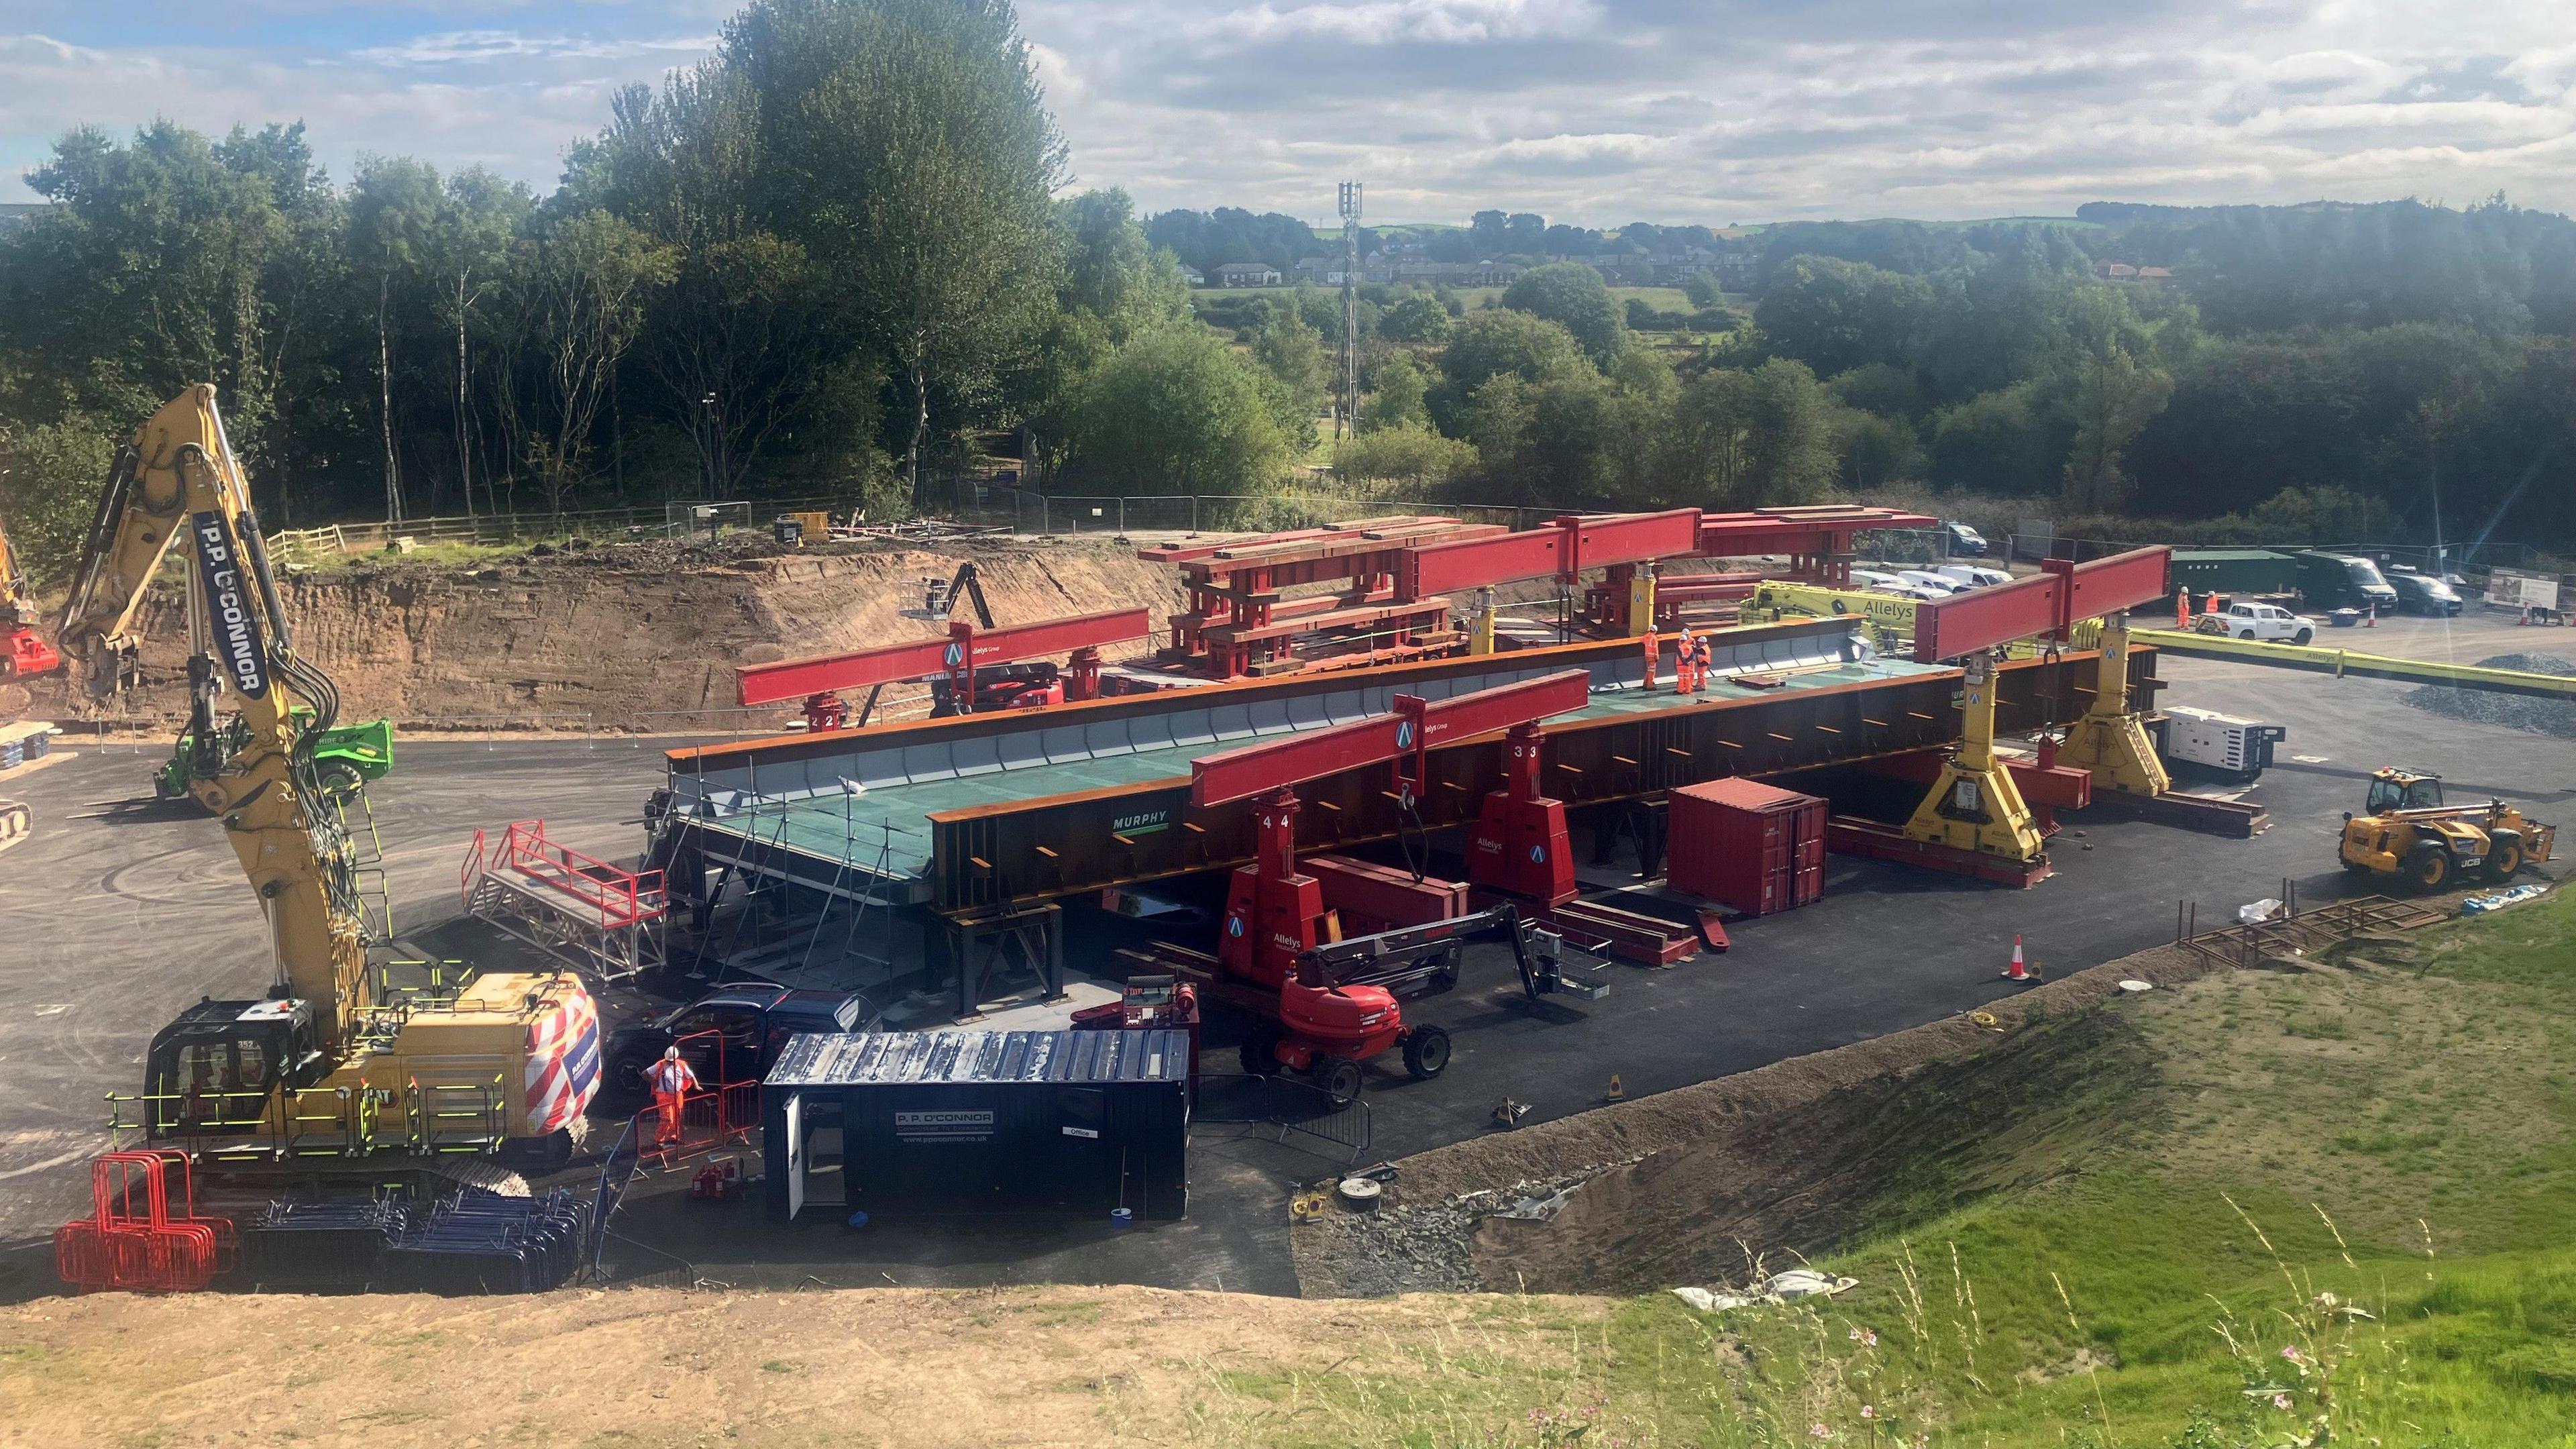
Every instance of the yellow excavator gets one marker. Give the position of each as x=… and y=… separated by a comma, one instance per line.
x=2405, y=830
x=22, y=655
x=335, y=1069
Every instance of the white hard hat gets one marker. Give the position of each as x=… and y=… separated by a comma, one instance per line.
x=670, y=1054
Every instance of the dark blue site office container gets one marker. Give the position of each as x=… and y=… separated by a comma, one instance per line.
x=980, y=1121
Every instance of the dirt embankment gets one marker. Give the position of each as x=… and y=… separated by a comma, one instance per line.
x=1800, y=1156
x=1019, y=1366
x=625, y=637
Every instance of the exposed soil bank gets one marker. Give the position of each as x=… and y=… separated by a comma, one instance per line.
x=625, y=637
x=1802, y=1156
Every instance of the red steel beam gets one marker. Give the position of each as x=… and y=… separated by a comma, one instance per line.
x=1603, y=539
x=1258, y=769
x=1448, y=567
x=1821, y=529
x=799, y=678
x=1192, y=552
x=2045, y=603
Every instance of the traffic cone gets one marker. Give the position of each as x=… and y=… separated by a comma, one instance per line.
x=2017, y=971
x=2525, y=616
x=1618, y=1093
x=2370, y=617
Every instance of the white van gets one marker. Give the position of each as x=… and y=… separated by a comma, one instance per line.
x=1926, y=579
x=1974, y=576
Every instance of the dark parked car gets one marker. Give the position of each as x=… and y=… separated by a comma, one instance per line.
x=2423, y=593
x=733, y=1032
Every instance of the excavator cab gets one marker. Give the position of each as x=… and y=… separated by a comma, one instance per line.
x=213, y=1071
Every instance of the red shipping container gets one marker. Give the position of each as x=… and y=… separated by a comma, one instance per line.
x=1754, y=847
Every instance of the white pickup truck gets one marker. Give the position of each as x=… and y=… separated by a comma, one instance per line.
x=2258, y=621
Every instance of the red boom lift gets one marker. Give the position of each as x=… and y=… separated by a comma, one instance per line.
x=972, y=669
x=1321, y=1004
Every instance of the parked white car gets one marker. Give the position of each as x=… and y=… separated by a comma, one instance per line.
x=1926, y=579
x=1873, y=579
x=1974, y=576
x=2268, y=622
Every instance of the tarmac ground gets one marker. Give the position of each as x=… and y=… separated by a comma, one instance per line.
x=116, y=918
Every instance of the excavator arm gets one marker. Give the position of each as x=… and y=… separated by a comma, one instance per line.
x=179, y=479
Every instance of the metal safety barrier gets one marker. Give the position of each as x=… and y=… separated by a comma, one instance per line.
x=2293, y=931
x=1262, y=1099
x=143, y=1246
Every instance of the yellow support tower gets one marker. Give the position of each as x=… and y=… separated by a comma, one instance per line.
x=1975, y=806
x=1641, y=601
x=2110, y=740
x=1480, y=623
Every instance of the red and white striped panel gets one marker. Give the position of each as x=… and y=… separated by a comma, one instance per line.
x=563, y=1063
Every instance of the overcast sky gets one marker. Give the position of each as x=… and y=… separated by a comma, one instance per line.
x=1593, y=111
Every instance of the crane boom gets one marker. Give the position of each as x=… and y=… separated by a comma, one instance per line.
x=179, y=478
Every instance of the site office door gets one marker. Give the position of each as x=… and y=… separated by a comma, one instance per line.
x=1086, y=1152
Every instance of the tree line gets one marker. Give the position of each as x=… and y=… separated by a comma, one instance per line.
x=840, y=254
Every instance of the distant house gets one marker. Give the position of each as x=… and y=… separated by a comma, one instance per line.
x=1192, y=277
x=1247, y=274
x=2155, y=274
x=2116, y=272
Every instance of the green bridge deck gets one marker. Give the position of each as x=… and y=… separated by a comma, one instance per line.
x=980, y=813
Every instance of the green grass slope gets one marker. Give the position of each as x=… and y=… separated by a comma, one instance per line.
x=2337, y=1206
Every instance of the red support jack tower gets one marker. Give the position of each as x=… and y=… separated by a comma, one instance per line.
x=1276, y=912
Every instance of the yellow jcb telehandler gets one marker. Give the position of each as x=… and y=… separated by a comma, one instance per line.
x=2405, y=830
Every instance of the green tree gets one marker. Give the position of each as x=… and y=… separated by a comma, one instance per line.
x=1407, y=453
x=1876, y=450
x=1174, y=411
x=587, y=294
x=50, y=477
x=2013, y=441
x=1835, y=315
x=1495, y=342
x=1754, y=438
x=1397, y=397
x=1703, y=290
x=1291, y=351
x=1416, y=317
x=2114, y=399
x=907, y=147
x=1574, y=297
x=151, y=272
x=395, y=209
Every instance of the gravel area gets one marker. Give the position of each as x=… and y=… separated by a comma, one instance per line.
x=2538, y=716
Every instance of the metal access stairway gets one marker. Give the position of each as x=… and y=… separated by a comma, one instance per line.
x=575, y=907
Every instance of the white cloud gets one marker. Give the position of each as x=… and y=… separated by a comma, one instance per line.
x=1396, y=22
x=1589, y=110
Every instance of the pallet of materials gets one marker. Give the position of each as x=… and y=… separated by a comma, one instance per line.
x=25, y=741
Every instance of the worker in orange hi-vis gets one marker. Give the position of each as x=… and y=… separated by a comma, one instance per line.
x=671, y=1081
x=1685, y=665
x=1654, y=652
x=1703, y=664
x=2182, y=608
